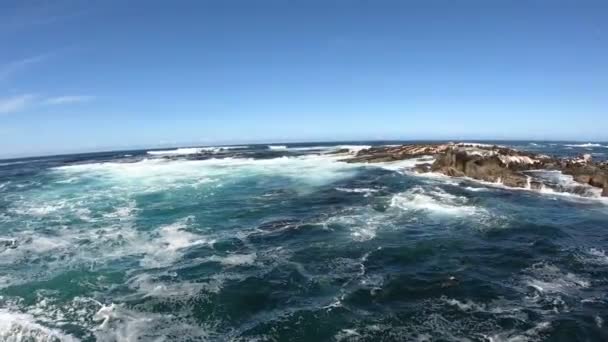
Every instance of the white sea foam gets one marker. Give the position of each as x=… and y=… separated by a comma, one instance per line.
x=594, y=256
x=177, y=151
x=277, y=147
x=532, y=334
x=548, y=278
x=350, y=148
x=19, y=162
x=147, y=285
x=564, y=184
x=170, y=243
x=358, y=190
x=18, y=327
x=159, y=174
x=193, y=150
x=353, y=148
x=585, y=145
x=312, y=148
x=156, y=248
x=362, y=222
x=406, y=164
x=477, y=189
x=477, y=144
x=565, y=181
x=435, y=201
x=117, y=323
x=235, y=259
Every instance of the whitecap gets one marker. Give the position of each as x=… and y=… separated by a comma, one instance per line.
x=435, y=201
x=363, y=223
x=17, y=327
x=584, y=145
x=532, y=334
x=357, y=190
x=232, y=260
x=548, y=278
x=152, y=175
x=182, y=151
x=593, y=256
x=148, y=285
x=406, y=164
x=277, y=147
x=169, y=245
x=117, y=323
x=353, y=148
x=177, y=151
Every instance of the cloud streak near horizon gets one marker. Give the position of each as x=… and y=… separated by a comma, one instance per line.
x=69, y=99
x=17, y=103
x=7, y=70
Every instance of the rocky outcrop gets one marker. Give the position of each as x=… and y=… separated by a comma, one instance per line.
x=588, y=173
x=491, y=164
x=486, y=164
x=393, y=153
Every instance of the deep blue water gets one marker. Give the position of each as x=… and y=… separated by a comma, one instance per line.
x=290, y=244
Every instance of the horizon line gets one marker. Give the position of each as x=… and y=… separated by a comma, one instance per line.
x=195, y=145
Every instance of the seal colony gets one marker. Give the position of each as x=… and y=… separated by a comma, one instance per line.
x=495, y=164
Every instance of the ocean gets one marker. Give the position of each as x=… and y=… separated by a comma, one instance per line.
x=285, y=242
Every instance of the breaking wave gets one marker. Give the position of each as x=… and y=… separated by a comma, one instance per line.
x=194, y=150
x=434, y=201
x=585, y=145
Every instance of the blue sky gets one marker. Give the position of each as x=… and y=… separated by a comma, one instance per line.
x=84, y=75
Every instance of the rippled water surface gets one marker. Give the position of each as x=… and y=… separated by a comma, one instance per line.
x=288, y=243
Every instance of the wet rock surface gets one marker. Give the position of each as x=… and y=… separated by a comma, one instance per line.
x=494, y=164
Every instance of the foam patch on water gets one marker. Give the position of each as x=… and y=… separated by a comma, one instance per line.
x=596, y=256
x=533, y=334
x=118, y=323
x=170, y=243
x=435, y=320
x=16, y=327
x=148, y=285
x=565, y=182
x=365, y=191
x=353, y=148
x=277, y=147
x=363, y=223
x=160, y=174
x=194, y=150
x=160, y=247
x=350, y=148
x=585, y=145
x=546, y=278
x=434, y=201
x=406, y=164
x=235, y=259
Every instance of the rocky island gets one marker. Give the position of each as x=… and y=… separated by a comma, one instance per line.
x=497, y=164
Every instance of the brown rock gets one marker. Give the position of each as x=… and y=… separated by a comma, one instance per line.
x=422, y=168
x=536, y=185
x=515, y=180
x=490, y=163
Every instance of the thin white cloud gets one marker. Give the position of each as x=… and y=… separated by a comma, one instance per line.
x=16, y=103
x=60, y=100
x=8, y=69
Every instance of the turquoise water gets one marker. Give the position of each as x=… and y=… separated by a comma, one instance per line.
x=290, y=244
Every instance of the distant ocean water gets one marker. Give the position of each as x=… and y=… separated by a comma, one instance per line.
x=284, y=242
